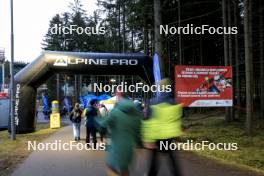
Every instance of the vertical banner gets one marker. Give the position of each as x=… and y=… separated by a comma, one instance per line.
x=156, y=70
x=204, y=86
x=1, y=77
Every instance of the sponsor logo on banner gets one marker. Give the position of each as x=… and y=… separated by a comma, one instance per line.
x=204, y=86
x=64, y=61
x=17, y=99
x=211, y=103
x=61, y=61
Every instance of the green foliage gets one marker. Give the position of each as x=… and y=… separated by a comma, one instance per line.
x=54, y=41
x=214, y=129
x=124, y=22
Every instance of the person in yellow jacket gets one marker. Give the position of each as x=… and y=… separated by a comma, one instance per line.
x=164, y=122
x=162, y=126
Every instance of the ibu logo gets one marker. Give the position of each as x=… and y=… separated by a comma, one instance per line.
x=61, y=61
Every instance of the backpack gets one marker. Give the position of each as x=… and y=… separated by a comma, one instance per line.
x=76, y=116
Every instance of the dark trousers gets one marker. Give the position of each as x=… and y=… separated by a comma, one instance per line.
x=172, y=161
x=101, y=136
x=91, y=131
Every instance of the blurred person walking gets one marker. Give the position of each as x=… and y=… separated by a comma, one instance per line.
x=90, y=114
x=161, y=127
x=138, y=104
x=124, y=123
x=103, y=112
x=75, y=117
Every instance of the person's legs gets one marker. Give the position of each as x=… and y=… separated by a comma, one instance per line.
x=78, y=131
x=101, y=136
x=88, y=131
x=126, y=173
x=110, y=171
x=74, y=130
x=93, y=132
x=172, y=160
x=173, y=164
x=153, y=171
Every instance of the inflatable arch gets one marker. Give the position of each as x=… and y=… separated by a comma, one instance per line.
x=49, y=62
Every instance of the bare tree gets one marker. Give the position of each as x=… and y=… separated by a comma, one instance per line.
x=230, y=50
x=226, y=49
x=261, y=58
x=248, y=64
x=124, y=27
x=237, y=65
x=158, y=37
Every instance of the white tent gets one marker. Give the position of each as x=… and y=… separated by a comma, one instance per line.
x=109, y=103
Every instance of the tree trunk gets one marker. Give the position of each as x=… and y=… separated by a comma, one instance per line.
x=158, y=37
x=132, y=41
x=237, y=65
x=248, y=65
x=119, y=27
x=180, y=35
x=226, y=50
x=146, y=41
x=75, y=88
x=124, y=27
x=230, y=51
x=80, y=85
x=261, y=59
x=58, y=86
x=132, y=30
x=201, y=49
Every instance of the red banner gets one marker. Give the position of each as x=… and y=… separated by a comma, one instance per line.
x=3, y=95
x=204, y=86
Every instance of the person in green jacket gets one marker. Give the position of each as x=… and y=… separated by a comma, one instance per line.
x=124, y=123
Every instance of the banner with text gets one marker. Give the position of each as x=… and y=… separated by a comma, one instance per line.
x=204, y=86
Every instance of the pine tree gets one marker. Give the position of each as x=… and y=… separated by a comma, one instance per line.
x=66, y=37
x=79, y=40
x=53, y=41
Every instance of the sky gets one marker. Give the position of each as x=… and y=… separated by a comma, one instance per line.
x=31, y=22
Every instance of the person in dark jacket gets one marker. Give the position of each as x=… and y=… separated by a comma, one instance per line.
x=90, y=114
x=76, y=118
